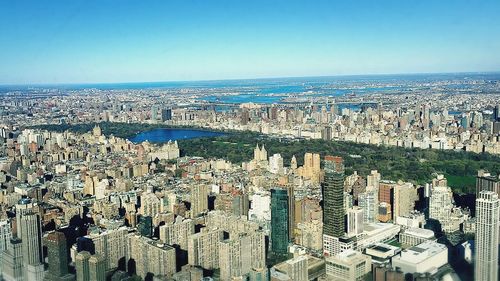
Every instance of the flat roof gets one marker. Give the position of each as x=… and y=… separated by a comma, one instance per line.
x=420, y=232
x=420, y=252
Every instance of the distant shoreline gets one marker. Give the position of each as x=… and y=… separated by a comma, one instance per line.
x=173, y=84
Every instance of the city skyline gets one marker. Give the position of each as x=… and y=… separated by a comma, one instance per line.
x=284, y=140
x=193, y=41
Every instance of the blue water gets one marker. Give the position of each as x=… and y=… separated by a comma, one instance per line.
x=269, y=85
x=164, y=135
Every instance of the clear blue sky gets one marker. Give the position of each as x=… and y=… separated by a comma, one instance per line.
x=80, y=41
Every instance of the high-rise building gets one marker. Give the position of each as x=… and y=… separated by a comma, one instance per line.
x=245, y=116
x=279, y=221
x=150, y=204
x=293, y=163
x=333, y=205
x=441, y=206
x=97, y=268
x=373, y=179
x=29, y=229
x=485, y=181
x=496, y=113
x=199, y=199
x=355, y=221
x=82, y=266
x=12, y=261
x=154, y=112
x=487, y=235
x=333, y=197
x=166, y=114
x=386, y=193
x=238, y=255
x=5, y=235
x=312, y=169
x=326, y=133
x=57, y=251
x=111, y=244
x=291, y=211
x=260, y=154
x=404, y=199
x=177, y=233
x=276, y=164
x=150, y=256
x=368, y=201
x=203, y=248
x=240, y=204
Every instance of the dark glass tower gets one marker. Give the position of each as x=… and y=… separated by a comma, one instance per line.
x=279, y=221
x=333, y=197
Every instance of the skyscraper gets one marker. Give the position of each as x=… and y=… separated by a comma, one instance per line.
x=203, y=248
x=279, y=221
x=404, y=198
x=12, y=261
x=150, y=256
x=487, y=234
x=333, y=205
x=58, y=257
x=5, y=235
x=154, y=112
x=441, y=207
x=97, y=268
x=485, y=181
x=112, y=244
x=355, y=221
x=333, y=197
x=238, y=255
x=368, y=200
x=496, y=113
x=29, y=229
x=166, y=114
x=177, y=233
x=386, y=193
x=199, y=199
x=82, y=266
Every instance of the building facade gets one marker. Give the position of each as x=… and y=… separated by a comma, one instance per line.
x=487, y=234
x=279, y=221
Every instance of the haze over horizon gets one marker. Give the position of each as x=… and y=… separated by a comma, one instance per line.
x=99, y=42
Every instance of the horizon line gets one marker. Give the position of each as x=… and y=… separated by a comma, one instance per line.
x=243, y=79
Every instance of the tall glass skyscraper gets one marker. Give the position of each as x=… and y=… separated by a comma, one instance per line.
x=279, y=221
x=333, y=197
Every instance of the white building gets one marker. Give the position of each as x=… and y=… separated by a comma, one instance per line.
x=368, y=201
x=375, y=233
x=414, y=219
x=261, y=207
x=426, y=257
x=354, y=221
x=276, y=164
x=414, y=236
x=487, y=228
x=441, y=207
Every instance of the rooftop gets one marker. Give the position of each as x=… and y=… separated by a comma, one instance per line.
x=421, y=252
x=420, y=232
